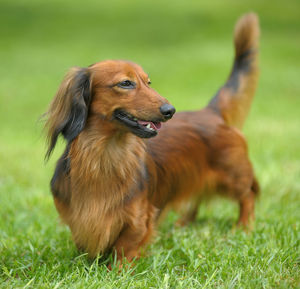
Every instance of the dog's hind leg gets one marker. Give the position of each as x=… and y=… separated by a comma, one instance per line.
x=247, y=204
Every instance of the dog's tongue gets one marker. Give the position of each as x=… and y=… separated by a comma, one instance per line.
x=154, y=125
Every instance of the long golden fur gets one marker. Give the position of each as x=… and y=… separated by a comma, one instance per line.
x=114, y=180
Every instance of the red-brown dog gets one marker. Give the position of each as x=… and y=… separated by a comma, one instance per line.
x=114, y=180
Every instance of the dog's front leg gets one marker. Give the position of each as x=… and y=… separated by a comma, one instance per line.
x=129, y=243
x=136, y=232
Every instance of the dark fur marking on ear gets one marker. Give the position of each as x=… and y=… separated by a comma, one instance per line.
x=80, y=104
x=80, y=92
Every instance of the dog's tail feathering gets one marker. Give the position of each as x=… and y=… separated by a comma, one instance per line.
x=234, y=99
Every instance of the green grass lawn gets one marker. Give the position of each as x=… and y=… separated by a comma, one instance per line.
x=186, y=47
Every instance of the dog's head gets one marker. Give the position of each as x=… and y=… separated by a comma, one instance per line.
x=115, y=91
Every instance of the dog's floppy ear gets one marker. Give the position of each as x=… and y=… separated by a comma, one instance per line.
x=69, y=109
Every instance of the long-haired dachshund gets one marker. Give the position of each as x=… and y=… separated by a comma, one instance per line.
x=117, y=174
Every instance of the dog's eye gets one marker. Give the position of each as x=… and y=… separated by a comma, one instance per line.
x=127, y=84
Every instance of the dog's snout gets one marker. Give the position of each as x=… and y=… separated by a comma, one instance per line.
x=167, y=110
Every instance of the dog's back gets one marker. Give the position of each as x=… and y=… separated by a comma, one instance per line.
x=200, y=153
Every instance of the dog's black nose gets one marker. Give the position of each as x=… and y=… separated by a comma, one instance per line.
x=167, y=110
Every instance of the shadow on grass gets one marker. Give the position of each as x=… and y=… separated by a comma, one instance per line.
x=223, y=225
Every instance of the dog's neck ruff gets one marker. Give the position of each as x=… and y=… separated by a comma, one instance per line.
x=107, y=165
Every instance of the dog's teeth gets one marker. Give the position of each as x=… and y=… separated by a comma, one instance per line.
x=148, y=125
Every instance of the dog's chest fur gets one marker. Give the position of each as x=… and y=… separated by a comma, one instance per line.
x=105, y=174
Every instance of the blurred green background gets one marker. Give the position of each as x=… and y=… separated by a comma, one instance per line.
x=186, y=47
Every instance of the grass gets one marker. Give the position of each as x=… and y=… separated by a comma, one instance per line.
x=186, y=47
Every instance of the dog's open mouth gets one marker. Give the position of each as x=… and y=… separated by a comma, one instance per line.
x=141, y=128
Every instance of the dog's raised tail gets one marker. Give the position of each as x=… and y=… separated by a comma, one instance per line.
x=234, y=99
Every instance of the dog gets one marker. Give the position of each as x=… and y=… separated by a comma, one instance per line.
x=122, y=168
